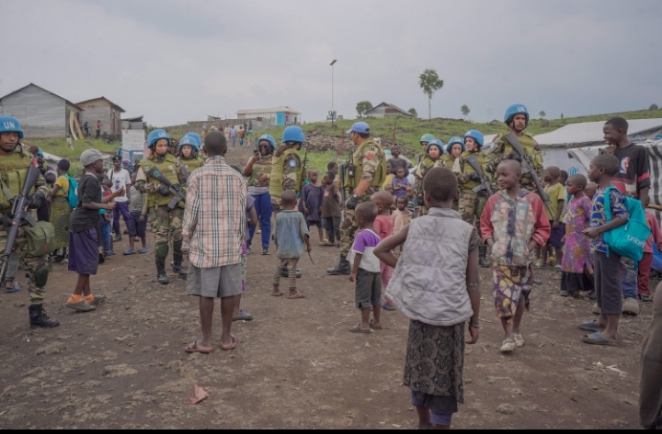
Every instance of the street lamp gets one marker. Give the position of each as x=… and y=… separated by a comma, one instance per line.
x=333, y=113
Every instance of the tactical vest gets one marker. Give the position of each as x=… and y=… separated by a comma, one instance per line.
x=13, y=170
x=380, y=173
x=445, y=161
x=278, y=173
x=168, y=168
x=191, y=164
x=481, y=158
x=528, y=145
x=260, y=167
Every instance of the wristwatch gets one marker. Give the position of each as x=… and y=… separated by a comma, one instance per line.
x=476, y=326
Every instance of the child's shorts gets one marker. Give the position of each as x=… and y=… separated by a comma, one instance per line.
x=419, y=399
x=317, y=223
x=84, y=251
x=136, y=227
x=368, y=288
x=557, y=235
x=607, y=282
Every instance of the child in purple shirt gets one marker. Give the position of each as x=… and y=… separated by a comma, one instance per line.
x=400, y=183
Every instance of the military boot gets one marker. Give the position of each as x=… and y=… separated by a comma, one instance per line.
x=343, y=267
x=160, y=272
x=482, y=257
x=38, y=317
x=177, y=264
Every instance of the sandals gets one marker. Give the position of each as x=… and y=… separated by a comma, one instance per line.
x=128, y=252
x=243, y=316
x=15, y=288
x=143, y=250
x=508, y=346
x=231, y=346
x=590, y=326
x=194, y=348
x=597, y=339
x=385, y=306
x=519, y=340
x=357, y=329
x=372, y=326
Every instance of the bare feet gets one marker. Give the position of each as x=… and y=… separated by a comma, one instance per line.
x=295, y=294
x=277, y=292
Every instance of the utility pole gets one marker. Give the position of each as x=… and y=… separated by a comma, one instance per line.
x=333, y=112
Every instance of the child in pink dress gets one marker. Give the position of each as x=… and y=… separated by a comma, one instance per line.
x=576, y=264
x=384, y=228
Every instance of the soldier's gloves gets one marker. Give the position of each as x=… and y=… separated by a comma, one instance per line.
x=352, y=202
x=474, y=177
x=420, y=201
x=35, y=201
x=6, y=221
x=164, y=190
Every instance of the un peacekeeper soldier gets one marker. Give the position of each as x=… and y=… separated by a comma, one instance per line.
x=433, y=155
x=471, y=204
x=14, y=163
x=188, y=150
x=369, y=161
x=517, y=119
x=287, y=171
x=425, y=140
x=167, y=222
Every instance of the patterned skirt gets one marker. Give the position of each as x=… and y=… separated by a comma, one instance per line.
x=435, y=359
x=510, y=285
x=60, y=213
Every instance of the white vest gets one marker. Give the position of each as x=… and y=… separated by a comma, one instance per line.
x=429, y=282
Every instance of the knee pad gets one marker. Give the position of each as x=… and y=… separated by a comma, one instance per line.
x=40, y=276
x=161, y=250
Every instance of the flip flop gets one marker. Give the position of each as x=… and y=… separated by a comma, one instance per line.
x=387, y=307
x=590, y=326
x=231, y=346
x=194, y=348
x=296, y=295
x=375, y=327
x=243, y=316
x=357, y=329
x=597, y=339
x=16, y=288
x=128, y=252
x=143, y=250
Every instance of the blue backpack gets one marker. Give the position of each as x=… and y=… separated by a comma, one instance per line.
x=72, y=195
x=629, y=239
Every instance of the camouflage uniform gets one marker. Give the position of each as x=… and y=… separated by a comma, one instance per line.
x=502, y=148
x=286, y=174
x=13, y=169
x=471, y=204
x=190, y=164
x=422, y=168
x=370, y=162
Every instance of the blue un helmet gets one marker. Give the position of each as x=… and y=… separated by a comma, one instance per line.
x=435, y=142
x=293, y=134
x=269, y=138
x=477, y=136
x=9, y=124
x=454, y=140
x=513, y=110
x=157, y=135
x=195, y=137
x=188, y=141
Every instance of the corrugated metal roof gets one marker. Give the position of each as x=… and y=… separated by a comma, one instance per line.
x=105, y=99
x=45, y=90
x=268, y=110
x=406, y=113
x=591, y=132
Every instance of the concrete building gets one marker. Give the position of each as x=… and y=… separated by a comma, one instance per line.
x=278, y=116
x=104, y=110
x=42, y=113
x=386, y=110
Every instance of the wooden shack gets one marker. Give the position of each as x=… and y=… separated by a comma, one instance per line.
x=104, y=110
x=42, y=113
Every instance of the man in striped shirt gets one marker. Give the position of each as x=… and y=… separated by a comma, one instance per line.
x=213, y=230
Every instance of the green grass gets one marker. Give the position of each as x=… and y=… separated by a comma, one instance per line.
x=59, y=147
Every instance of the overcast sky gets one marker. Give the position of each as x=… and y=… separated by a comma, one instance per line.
x=175, y=61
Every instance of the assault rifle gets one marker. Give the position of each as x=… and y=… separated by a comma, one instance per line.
x=19, y=212
x=517, y=146
x=484, y=184
x=155, y=173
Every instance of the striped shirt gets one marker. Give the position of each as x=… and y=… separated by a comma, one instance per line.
x=215, y=217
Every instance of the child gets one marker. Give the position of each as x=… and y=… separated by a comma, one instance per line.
x=137, y=220
x=577, y=264
x=607, y=263
x=401, y=216
x=331, y=211
x=290, y=235
x=556, y=194
x=400, y=183
x=312, y=197
x=389, y=175
x=384, y=228
x=84, y=238
x=106, y=219
x=590, y=190
x=60, y=209
x=650, y=392
x=438, y=300
x=512, y=224
x=251, y=220
x=411, y=202
x=365, y=269
x=644, y=269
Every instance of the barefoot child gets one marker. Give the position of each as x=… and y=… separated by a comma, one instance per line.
x=292, y=240
x=607, y=275
x=384, y=228
x=84, y=237
x=513, y=223
x=437, y=299
x=400, y=183
x=137, y=223
x=331, y=211
x=577, y=264
x=365, y=269
x=311, y=199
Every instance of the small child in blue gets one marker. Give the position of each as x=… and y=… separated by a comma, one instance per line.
x=365, y=270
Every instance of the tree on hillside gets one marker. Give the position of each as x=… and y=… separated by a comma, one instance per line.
x=363, y=107
x=430, y=82
x=465, y=110
x=542, y=114
x=413, y=112
x=653, y=107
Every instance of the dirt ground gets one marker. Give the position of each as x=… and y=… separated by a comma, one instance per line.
x=296, y=365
